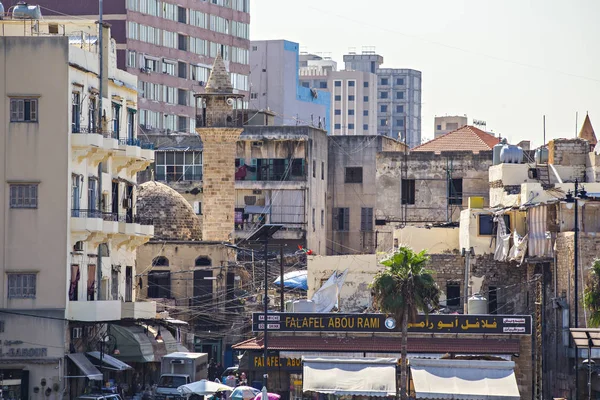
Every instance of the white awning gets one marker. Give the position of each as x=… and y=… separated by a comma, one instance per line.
x=110, y=360
x=464, y=379
x=347, y=376
x=86, y=367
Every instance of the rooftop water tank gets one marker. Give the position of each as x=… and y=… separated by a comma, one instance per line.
x=25, y=11
x=477, y=304
x=304, y=306
x=511, y=154
x=1, y=11
x=496, y=152
x=541, y=155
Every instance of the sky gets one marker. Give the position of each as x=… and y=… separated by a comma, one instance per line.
x=507, y=62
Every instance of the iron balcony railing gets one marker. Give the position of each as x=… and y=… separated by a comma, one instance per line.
x=130, y=142
x=147, y=145
x=231, y=119
x=187, y=177
x=112, y=217
x=94, y=130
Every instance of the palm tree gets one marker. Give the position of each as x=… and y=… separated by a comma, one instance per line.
x=591, y=295
x=403, y=289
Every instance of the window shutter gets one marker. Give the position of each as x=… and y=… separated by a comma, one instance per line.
x=346, y=219
x=14, y=114
x=369, y=219
x=20, y=110
x=363, y=219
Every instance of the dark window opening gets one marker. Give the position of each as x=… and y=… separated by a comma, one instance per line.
x=455, y=191
x=160, y=262
x=489, y=227
x=203, y=261
x=366, y=219
x=493, y=299
x=159, y=285
x=354, y=175
x=341, y=218
x=408, y=191
x=452, y=294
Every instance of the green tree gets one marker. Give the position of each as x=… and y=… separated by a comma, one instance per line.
x=591, y=295
x=403, y=289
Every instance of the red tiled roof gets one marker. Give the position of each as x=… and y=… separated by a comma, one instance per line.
x=383, y=344
x=463, y=139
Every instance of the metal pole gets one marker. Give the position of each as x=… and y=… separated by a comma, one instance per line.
x=266, y=301
x=466, y=294
x=589, y=370
x=100, y=95
x=282, y=306
x=576, y=286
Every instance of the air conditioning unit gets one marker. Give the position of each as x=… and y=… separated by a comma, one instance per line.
x=78, y=247
x=256, y=191
x=76, y=333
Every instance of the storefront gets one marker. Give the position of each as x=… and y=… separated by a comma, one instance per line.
x=297, y=338
x=32, y=349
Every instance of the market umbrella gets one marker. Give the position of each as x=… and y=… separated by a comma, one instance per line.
x=270, y=396
x=203, y=388
x=244, y=393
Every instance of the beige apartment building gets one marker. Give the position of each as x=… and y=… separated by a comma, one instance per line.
x=69, y=223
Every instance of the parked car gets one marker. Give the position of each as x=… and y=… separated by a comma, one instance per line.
x=229, y=371
x=100, y=396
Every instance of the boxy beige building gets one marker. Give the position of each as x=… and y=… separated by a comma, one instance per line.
x=68, y=224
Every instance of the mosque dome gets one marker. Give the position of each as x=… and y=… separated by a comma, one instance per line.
x=172, y=216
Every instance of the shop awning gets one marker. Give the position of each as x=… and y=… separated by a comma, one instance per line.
x=464, y=379
x=347, y=376
x=86, y=367
x=137, y=344
x=110, y=360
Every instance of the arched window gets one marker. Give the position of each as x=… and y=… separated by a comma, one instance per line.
x=203, y=261
x=159, y=285
x=160, y=262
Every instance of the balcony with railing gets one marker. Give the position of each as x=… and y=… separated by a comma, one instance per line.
x=270, y=173
x=83, y=220
x=133, y=155
x=91, y=143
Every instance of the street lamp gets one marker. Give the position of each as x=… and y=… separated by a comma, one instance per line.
x=263, y=234
x=574, y=197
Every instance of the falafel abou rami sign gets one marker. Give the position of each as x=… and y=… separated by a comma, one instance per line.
x=433, y=323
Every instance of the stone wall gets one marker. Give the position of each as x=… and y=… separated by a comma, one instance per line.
x=430, y=172
x=218, y=182
x=570, y=152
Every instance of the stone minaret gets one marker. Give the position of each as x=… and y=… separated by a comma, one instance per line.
x=219, y=121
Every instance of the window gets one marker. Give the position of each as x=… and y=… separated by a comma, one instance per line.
x=399, y=95
x=21, y=286
x=181, y=15
x=306, y=84
x=365, y=84
x=322, y=217
x=350, y=112
x=337, y=126
x=168, y=68
x=75, y=112
x=351, y=97
x=400, y=109
x=400, y=81
x=383, y=122
x=203, y=261
x=351, y=83
x=159, y=284
x=366, y=219
x=23, y=110
x=314, y=168
x=438, y=127
x=383, y=108
x=130, y=124
x=385, y=81
x=350, y=126
x=323, y=85
x=383, y=95
x=341, y=219
x=314, y=221
x=175, y=166
x=365, y=99
x=365, y=113
x=408, y=191
x=354, y=175
x=455, y=190
x=160, y=262
x=337, y=83
x=487, y=225
x=400, y=122
x=116, y=114
x=182, y=42
x=151, y=64
x=254, y=95
x=182, y=97
x=23, y=196
x=322, y=170
x=182, y=69
x=452, y=294
x=131, y=58
x=365, y=127
x=338, y=112
x=338, y=97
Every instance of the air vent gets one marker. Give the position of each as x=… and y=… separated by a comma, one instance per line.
x=380, y=222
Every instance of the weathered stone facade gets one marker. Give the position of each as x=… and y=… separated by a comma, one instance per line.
x=218, y=182
x=171, y=214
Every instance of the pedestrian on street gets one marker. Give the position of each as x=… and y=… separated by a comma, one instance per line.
x=212, y=370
